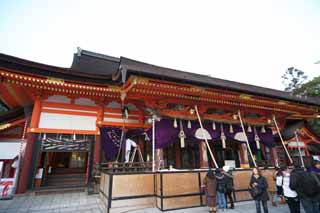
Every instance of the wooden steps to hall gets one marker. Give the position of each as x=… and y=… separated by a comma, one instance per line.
x=58, y=190
x=66, y=180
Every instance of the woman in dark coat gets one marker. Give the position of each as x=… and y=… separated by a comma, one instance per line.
x=229, y=185
x=210, y=184
x=257, y=180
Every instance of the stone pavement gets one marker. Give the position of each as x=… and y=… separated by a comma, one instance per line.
x=245, y=207
x=81, y=202
x=67, y=202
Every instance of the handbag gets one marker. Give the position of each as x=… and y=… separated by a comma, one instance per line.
x=255, y=192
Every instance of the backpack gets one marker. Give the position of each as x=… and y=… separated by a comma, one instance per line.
x=295, y=179
x=310, y=184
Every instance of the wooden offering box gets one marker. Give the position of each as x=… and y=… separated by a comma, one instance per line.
x=166, y=190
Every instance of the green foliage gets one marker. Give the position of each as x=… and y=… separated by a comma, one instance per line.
x=293, y=79
x=309, y=89
x=315, y=125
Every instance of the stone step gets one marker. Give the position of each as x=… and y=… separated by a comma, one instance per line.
x=59, y=189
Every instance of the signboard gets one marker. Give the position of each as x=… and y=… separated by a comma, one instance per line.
x=295, y=144
x=64, y=145
x=230, y=163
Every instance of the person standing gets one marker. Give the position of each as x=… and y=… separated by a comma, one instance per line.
x=210, y=188
x=307, y=186
x=260, y=182
x=278, y=176
x=290, y=195
x=221, y=188
x=229, y=185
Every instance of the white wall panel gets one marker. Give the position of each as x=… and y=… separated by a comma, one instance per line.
x=61, y=121
x=58, y=99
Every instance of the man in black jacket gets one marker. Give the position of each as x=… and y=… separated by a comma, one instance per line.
x=306, y=185
x=229, y=185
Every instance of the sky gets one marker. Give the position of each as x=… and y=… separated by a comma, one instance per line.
x=247, y=41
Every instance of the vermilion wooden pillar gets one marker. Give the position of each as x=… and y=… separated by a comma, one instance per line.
x=244, y=156
x=97, y=150
x=203, y=155
x=26, y=163
x=177, y=155
x=159, y=158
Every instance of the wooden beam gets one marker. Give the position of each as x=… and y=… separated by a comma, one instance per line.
x=127, y=125
x=7, y=98
x=63, y=131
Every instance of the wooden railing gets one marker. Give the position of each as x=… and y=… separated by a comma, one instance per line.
x=264, y=163
x=125, y=167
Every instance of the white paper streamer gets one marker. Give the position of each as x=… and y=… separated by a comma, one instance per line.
x=189, y=124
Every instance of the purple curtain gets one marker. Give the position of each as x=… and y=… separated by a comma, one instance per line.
x=166, y=134
x=110, y=138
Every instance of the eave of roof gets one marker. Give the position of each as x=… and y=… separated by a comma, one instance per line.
x=144, y=69
x=103, y=69
x=43, y=70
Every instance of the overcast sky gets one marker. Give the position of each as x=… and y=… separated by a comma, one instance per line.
x=246, y=41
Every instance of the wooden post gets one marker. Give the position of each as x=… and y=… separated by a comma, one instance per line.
x=97, y=150
x=26, y=164
x=159, y=159
x=246, y=138
x=36, y=113
x=97, y=143
x=205, y=138
x=203, y=155
x=177, y=150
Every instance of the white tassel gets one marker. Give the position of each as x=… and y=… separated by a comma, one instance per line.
x=223, y=137
x=263, y=129
x=146, y=137
x=189, y=124
x=213, y=125
x=44, y=136
x=182, y=135
x=60, y=137
x=231, y=128
x=182, y=144
x=74, y=136
x=223, y=143
x=256, y=138
x=249, y=128
x=175, y=124
x=258, y=144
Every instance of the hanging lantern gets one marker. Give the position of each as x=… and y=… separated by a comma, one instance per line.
x=231, y=128
x=175, y=124
x=249, y=128
x=263, y=129
x=189, y=124
x=213, y=125
x=223, y=137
